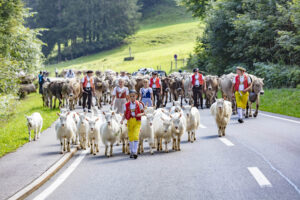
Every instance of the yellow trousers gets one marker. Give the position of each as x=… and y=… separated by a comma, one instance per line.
x=134, y=127
x=241, y=99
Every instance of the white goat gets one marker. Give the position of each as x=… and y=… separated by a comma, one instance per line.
x=83, y=130
x=35, y=123
x=110, y=131
x=147, y=132
x=178, y=129
x=94, y=134
x=222, y=111
x=65, y=130
x=192, y=121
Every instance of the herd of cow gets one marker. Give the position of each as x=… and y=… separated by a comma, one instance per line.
x=175, y=87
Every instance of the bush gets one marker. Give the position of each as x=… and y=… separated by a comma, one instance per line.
x=276, y=75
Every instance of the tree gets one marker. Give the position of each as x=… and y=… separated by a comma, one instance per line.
x=82, y=27
x=20, y=50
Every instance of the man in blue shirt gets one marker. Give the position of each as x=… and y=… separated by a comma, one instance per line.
x=41, y=82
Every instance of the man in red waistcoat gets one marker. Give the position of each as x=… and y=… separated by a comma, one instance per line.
x=198, y=84
x=155, y=84
x=88, y=89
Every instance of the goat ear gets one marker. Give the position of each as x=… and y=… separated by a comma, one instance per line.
x=58, y=114
x=113, y=113
x=162, y=118
x=103, y=113
x=68, y=113
x=180, y=115
x=97, y=119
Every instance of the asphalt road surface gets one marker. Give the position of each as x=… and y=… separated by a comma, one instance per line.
x=259, y=159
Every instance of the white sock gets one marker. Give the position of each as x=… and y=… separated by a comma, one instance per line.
x=131, y=146
x=136, y=143
x=240, y=113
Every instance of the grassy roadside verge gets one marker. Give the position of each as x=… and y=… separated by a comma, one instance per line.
x=14, y=132
x=285, y=101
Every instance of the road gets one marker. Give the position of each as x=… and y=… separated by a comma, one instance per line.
x=259, y=159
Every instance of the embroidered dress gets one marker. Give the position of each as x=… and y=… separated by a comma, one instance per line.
x=120, y=99
x=146, y=96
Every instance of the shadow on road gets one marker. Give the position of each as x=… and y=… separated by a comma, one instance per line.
x=209, y=137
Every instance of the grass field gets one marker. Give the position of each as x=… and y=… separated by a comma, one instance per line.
x=166, y=29
x=282, y=101
x=14, y=132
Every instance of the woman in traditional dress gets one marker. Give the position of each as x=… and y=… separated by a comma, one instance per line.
x=120, y=97
x=146, y=94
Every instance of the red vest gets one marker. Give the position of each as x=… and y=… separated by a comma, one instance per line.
x=237, y=82
x=128, y=111
x=86, y=82
x=200, y=78
x=156, y=82
x=123, y=94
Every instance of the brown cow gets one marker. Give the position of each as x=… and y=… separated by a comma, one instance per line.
x=254, y=94
x=98, y=82
x=211, y=90
x=26, y=89
x=166, y=89
x=176, y=86
x=225, y=83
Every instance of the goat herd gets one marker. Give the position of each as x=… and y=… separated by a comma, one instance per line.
x=159, y=126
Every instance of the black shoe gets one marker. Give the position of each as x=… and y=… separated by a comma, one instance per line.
x=241, y=121
x=135, y=156
x=131, y=156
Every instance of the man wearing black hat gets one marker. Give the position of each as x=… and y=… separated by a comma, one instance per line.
x=198, y=84
x=155, y=84
x=88, y=89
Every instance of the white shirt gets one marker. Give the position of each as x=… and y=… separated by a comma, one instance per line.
x=241, y=86
x=133, y=106
x=154, y=85
x=88, y=81
x=120, y=90
x=70, y=74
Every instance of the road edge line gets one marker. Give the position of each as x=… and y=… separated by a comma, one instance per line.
x=38, y=182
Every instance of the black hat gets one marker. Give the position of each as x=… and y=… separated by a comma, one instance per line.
x=194, y=70
x=89, y=71
x=154, y=73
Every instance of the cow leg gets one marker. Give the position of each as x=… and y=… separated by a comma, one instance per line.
x=247, y=108
x=142, y=146
x=62, y=146
x=111, y=149
x=189, y=136
x=220, y=131
x=192, y=136
x=92, y=147
x=256, y=111
x=250, y=111
x=174, y=144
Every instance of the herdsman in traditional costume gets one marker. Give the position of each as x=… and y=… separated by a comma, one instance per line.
x=198, y=84
x=134, y=110
x=88, y=89
x=241, y=85
x=155, y=84
x=120, y=96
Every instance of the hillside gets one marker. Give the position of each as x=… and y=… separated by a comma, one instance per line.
x=166, y=29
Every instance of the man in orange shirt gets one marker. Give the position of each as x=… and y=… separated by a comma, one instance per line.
x=88, y=89
x=198, y=84
x=155, y=84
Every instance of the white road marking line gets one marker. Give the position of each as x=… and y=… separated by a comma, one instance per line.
x=289, y=120
x=202, y=126
x=62, y=177
x=227, y=142
x=259, y=177
x=272, y=167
